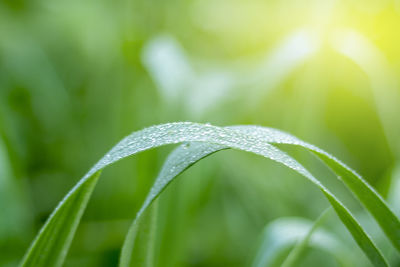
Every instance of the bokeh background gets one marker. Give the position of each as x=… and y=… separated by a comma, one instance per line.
x=77, y=76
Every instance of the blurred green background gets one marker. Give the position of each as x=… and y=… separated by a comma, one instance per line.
x=77, y=76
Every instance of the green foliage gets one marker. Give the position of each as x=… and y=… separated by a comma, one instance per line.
x=52, y=243
x=297, y=234
x=251, y=139
x=76, y=76
x=300, y=247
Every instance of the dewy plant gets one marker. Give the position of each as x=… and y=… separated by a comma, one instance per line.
x=51, y=245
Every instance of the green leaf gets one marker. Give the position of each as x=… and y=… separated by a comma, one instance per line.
x=296, y=233
x=53, y=241
x=177, y=162
x=47, y=251
x=374, y=203
x=188, y=154
x=301, y=245
x=362, y=239
x=143, y=254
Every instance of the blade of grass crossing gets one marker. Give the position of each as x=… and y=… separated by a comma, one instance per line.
x=295, y=234
x=297, y=251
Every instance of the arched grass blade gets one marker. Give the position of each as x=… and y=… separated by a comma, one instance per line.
x=186, y=155
x=42, y=252
x=156, y=136
x=374, y=203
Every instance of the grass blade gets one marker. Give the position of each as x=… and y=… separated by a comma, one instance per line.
x=177, y=162
x=156, y=136
x=143, y=255
x=374, y=203
x=186, y=155
x=296, y=233
x=362, y=239
x=299, y=248
x=53, y=241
